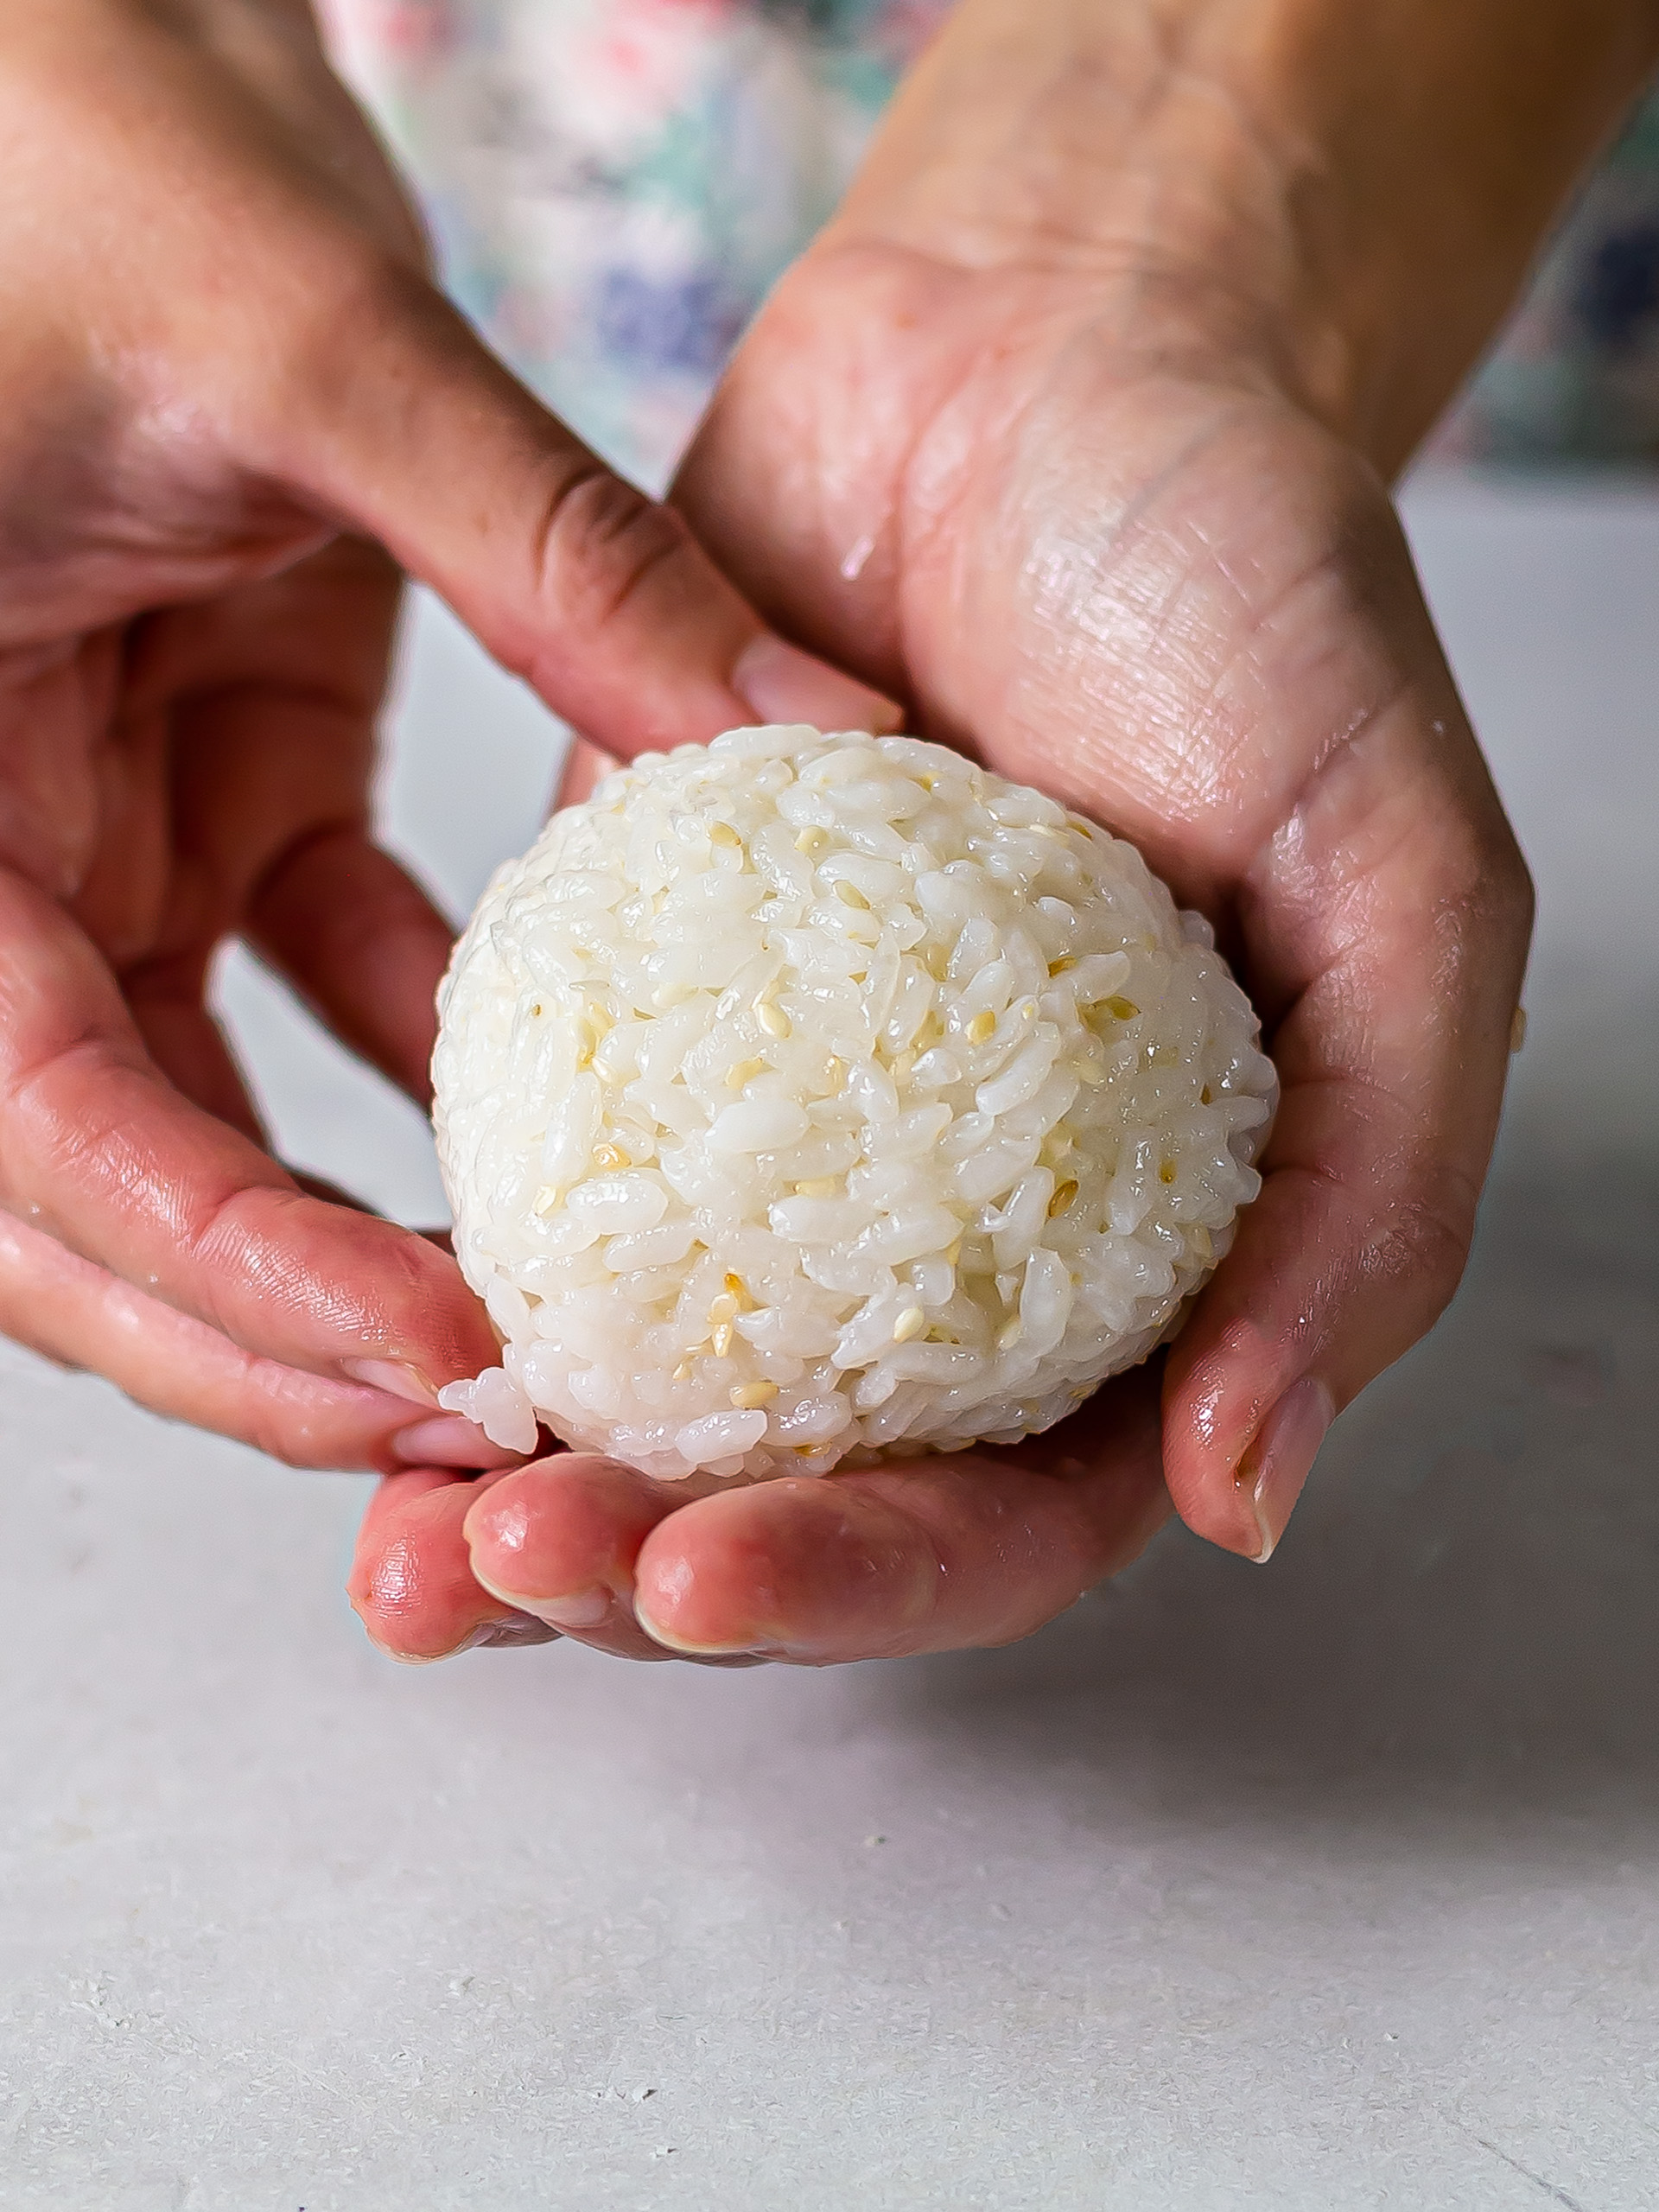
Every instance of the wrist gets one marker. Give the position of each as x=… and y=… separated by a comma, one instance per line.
x=1340, y=202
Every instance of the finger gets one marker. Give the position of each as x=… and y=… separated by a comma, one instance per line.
x=186, y=1043
x=82, y=1317
x=269, y=696
x=1398, y=902
x=363, y=946
x=585, y=768
x=96, y=1148
x=410, y=1582
x=1232, y=666
x=976, y=1549
x=599, y=597
x=559, y=1540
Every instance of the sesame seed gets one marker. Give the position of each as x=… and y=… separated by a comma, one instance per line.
x=981, y=1027
x=721, y=833
x=851, y=895
x=912, y=1322
x=747, y=1395
x=743, y=1072
x=1063, y=1198
x=771, y=1018
x=1121, y=1009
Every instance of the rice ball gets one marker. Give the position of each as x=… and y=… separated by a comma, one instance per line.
x=803, y=1099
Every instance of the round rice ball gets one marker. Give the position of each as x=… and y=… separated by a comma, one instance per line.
x=807, y=1098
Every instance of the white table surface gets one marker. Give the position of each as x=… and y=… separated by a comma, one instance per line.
x=1336, y=1885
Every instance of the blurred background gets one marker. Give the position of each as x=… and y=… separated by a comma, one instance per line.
x=615, y=185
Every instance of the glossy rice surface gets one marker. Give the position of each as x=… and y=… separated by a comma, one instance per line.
x=806, y=1097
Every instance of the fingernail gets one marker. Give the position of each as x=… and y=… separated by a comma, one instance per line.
x=582, y=1609
x=749, y=1651
x=688, y=1650
x=585, y=768
x=394, y=1375
x=570, y=1609
x=450, y=1440
x=1281, y=1458
x=511, y=1635
x=783, y=684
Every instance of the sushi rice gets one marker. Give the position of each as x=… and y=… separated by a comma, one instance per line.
x=804, y=1099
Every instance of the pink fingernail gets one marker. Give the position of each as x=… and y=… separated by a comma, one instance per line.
x=585, y=768
x=1281, y=1458
x=569, y=1609
x=509, y=1635
x=783, y=684
x=582, y=1609
x=685, y=1647
x=393, y=1375
x=450, y=1440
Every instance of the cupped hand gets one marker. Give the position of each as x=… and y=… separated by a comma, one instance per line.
x=980, y=1547
x=232, y=407
x=1099, y=547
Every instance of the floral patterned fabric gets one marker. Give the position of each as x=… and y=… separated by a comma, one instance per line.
x=1575, y=377
x=615, y=184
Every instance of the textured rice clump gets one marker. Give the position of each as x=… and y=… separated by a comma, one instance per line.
x=802, y=1098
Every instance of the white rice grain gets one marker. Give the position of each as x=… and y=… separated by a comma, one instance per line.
x=809, y=1098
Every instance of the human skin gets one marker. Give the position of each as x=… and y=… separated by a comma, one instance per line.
x=234, y=407
x=1073, y=432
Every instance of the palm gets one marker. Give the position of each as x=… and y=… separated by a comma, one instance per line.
x=1119, y=571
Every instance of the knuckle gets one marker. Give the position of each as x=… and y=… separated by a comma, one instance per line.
x=1475, y=889
x=599, y=542
x=1422, y=1243
x=1511, y=895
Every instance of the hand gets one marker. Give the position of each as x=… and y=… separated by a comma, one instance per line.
x=1079, y=490
x=233, y=402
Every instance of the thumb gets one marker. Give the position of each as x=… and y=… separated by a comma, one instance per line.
x=597, y=596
